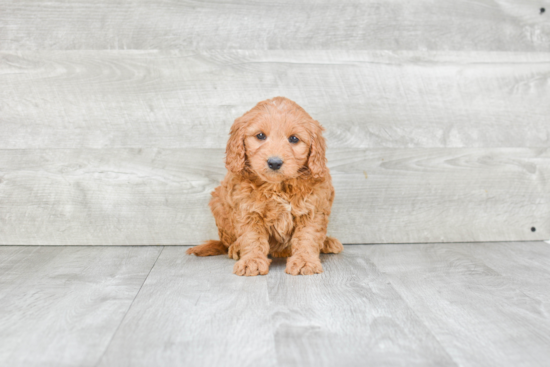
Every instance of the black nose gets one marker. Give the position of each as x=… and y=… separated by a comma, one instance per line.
x=275, y=163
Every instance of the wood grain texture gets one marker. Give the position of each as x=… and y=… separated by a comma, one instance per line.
x=441, y=195
x=485, y=303
x=194, y=312
x=347, y=316
x=467, y=304
x=160, y=196
x=500, y=25
x=185, y=99
x=60, y=306
x=451, y=306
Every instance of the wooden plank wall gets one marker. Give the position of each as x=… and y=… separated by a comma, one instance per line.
x=114, y=114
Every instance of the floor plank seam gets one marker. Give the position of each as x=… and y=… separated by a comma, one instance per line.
x=420, y=319
x=129, y=308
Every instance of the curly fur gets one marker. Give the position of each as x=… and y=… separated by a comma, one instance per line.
x=282, y=213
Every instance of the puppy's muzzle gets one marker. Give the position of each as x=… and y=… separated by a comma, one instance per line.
x=274, y=163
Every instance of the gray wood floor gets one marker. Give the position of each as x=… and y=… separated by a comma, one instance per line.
x=466, y=304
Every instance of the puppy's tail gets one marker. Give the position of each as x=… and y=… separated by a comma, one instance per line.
x=209, y=248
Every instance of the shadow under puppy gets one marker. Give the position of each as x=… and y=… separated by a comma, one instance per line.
x=277, y=196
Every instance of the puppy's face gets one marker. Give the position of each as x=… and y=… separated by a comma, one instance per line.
x=278, y=140
x=277, y=146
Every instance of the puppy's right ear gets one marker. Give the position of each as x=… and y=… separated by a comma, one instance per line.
x=235, y=151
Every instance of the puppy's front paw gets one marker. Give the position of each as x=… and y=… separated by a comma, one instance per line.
x=300, y=264
x=251, y=266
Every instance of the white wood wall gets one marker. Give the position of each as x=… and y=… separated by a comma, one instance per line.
x=114, y=114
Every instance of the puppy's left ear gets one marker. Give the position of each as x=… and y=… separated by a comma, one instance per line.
x=235, y=150
x=317, y=161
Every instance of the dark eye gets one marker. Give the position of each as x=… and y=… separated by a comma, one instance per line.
x=261, y=136
x=293, y=139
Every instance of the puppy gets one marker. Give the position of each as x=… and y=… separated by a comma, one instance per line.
x=277, y=196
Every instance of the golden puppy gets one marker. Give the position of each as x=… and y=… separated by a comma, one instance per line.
x=277, y=196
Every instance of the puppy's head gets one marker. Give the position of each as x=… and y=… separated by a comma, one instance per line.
x=277, y=140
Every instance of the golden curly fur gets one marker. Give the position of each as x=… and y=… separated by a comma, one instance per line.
x=284, y=211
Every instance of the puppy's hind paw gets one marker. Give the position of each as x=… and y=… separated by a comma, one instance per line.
x=332, y=246
x=234, y=251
